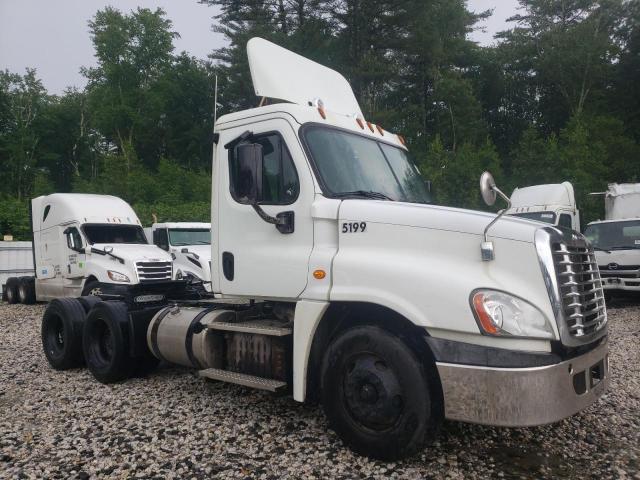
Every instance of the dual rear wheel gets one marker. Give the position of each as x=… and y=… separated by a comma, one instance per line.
x=21, y=290
x=92, y=332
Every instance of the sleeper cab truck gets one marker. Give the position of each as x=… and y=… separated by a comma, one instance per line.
x=189, y=244
x=616, y=239
x=340, y=282
x=553, y=203
x=89, y=245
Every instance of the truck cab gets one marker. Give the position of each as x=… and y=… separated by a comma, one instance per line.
x=338, y=280
x=554, y=204
x=189, y=243
x=87, y=244
x=617, y=239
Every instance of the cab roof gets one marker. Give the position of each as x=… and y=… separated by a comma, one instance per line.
x=552, y=194
x=63, y=208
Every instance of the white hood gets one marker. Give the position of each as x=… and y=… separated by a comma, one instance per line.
x=203, y=251
x=620, y=257
x=438, y=218
x=132, y=252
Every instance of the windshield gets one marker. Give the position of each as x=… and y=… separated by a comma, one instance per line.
x=107, y=233
x=189, y=236
x=614, y=235
x=352, y=164
x=546, y=217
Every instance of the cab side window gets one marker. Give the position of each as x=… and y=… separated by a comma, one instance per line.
x=565, y=221
x=74, y=239
x=280, y=185
x=161, y=238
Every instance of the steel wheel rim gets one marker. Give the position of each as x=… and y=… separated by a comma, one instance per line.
x=373, y=396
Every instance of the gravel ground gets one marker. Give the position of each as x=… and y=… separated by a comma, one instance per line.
x=175, y=425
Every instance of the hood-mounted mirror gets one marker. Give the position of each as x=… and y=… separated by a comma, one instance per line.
x=490, y=192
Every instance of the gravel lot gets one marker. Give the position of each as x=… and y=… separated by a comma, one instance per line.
x=175, y=425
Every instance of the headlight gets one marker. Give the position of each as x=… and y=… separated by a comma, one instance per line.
x=500, y=314
x=117, y=276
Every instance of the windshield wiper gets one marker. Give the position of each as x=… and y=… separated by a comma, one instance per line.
x=105, y=252
x=600, y=249
x=365, y=194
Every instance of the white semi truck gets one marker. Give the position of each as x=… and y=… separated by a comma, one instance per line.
x=189, y=243
x=617, y=238
x=552, y=203
x=87, y=244
x=341, y=282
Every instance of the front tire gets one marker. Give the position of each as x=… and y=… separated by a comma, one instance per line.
x=377, y=395
x=105, y=342
x=92, y=288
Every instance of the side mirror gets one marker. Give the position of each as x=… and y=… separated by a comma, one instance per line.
x=248, y=182
x=487, y=188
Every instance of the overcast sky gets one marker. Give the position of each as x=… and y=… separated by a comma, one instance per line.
x=53, y=37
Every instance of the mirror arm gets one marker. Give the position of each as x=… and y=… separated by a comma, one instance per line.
x=284, y=221
x=500, y=214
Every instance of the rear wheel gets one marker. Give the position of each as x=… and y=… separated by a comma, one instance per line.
x=377, y=395
x=105, y=342
x=61, y=332
x=11, y=288
x=27, y=290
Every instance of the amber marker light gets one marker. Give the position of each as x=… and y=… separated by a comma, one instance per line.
x=319, y=274
x=380, y=130
x=322, y=113
x=360, y=123
x=370, y=125
x=483, y=316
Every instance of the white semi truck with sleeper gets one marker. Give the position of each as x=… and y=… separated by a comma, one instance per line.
x=189, y=244
x=617, y=239
x=85, y=244
x=553, y=203
x=340, y=282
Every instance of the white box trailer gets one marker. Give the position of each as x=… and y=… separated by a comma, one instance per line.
x=617, y=238
x=552, y=203
x=86, y=244
x=338, y=280
x=16, y=260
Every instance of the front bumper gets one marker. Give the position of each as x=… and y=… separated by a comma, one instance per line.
x=521, y=397
x=617, y=283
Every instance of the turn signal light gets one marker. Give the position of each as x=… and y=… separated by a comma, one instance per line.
x=319, y=274
x=483, y=315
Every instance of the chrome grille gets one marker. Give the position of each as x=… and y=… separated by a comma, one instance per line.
x=580, y=288
x=621, y=271
x=153, y=271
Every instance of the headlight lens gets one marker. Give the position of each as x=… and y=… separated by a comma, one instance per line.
x=117, y=276
x=500, y=314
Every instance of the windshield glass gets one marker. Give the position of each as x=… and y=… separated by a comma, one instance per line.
x=99, y=233
x=614, y=235
x=189, y=236
x=347, y=162
x=546, y=217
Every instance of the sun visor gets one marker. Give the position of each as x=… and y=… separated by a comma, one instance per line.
x=281, y=74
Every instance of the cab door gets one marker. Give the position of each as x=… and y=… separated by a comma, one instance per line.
x=73, y=253
x=254, y=257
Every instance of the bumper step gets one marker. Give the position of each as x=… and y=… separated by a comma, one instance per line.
x=243, y=379
x=258, y=328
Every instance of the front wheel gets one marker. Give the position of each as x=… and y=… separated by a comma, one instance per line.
x=377, y=395
x=92, y=288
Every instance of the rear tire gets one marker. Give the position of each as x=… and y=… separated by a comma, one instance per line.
x=27, y=290
x=105, y=342
x=11, y=288
x=377, y=395
x=61, y=333
x=89, y=302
